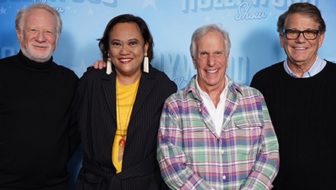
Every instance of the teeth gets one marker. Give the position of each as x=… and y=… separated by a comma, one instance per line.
x=125, y=60
x=212, y=71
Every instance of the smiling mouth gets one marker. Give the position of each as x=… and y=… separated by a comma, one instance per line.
x=40, y=47
x=125, y=60
x=212, y=71
x=300, y=48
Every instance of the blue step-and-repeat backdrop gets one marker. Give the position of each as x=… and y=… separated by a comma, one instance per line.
x=251, y=24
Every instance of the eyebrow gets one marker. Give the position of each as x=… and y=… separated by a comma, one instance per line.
x=132, y=39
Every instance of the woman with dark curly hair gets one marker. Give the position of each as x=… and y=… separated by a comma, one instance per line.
x=119, y=110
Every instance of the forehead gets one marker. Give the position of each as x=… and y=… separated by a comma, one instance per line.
x=40, y=17
x=212, y=40
x=301, y=21
x=126, y=31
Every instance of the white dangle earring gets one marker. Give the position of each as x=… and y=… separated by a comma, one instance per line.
x=146, y=64
x=109, y=66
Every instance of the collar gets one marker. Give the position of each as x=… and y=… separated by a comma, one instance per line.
x=204, y=95
x=33, y=65
x=232, y=88
x=317, y=67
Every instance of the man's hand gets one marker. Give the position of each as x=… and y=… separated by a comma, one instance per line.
x=100, y=64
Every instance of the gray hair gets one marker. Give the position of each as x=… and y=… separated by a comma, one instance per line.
x=21, y=16
x=199, y=32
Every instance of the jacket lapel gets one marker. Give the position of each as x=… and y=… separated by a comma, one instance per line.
x=109, y=88
x=145, y=87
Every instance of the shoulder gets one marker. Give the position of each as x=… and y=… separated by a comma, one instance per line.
x=6, y=62
x=7, y=59
x=245, y=91
x=329, y=72
x=162, y=79
x=157, y=74
x=269, y=71
x=249, y=97
x=95, y=74
x=185, y=95
x=331, y=65
x=91, y=81
x=182, y=99
x=176, y=102
x=66, y=72
x=267, y=75
x=178, y=96
x=8, y=67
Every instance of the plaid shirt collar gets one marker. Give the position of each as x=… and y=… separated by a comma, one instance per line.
x=233, y=89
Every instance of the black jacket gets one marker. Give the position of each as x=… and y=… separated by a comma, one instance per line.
x=96, y=104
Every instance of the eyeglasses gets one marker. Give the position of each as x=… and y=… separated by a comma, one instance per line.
x=307, y=34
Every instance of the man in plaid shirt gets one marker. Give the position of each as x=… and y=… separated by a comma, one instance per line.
x=216, y=134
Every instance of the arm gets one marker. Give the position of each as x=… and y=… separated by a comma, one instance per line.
x=267, y=163
x=172, y=160
x=73, y=132
x=79, y=103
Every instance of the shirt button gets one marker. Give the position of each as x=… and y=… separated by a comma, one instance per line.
x=224, y=177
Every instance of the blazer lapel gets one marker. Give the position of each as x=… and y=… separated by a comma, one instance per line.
x=145, y=87
x=109, y=87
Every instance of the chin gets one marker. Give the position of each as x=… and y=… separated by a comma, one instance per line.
x=41, y=58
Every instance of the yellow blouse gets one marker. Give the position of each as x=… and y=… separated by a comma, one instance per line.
x=125, y=99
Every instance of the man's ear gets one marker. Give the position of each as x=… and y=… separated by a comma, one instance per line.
x=19, y=35
x=282, y=39
x=194, y=62
x=321, y=39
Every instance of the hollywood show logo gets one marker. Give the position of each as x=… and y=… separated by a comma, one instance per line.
x=193, y=6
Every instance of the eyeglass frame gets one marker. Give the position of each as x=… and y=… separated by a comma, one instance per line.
x=299, y=32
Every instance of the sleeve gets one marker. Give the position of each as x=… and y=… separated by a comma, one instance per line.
x=73, y=132
x=76, y=108
x=172, y=159
x=267, y=163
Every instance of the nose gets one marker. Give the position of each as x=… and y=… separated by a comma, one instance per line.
x=40, y=36
x=301, y=38
x=211, y=60
x=124, y=49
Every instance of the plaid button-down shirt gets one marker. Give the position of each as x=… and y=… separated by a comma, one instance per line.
x=192, y=156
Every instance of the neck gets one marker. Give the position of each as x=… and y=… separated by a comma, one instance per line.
x=300, y=68
x=214, y=92
x=31, y=64
x=44, y=60
x=127, y=80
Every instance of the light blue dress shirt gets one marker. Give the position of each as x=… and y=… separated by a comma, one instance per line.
x=314, y=69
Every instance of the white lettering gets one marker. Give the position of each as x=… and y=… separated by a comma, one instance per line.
x=244, y=13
